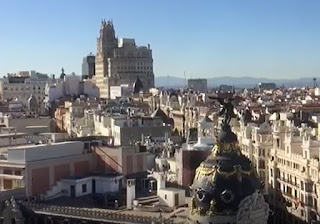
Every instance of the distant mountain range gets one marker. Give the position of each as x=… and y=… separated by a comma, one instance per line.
x=238, y=82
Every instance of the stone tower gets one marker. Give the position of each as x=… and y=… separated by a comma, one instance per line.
x=119, y=61
x=106, y=42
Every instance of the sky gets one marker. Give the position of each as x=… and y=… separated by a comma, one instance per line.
x=258, y=38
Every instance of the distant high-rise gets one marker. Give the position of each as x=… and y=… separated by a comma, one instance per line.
x=120, y=61
x=199, y=85
x=88, y=66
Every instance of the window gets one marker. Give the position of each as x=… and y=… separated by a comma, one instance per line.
x=17, y=172
x=84, y=188
x=7, y=171
x=261, y=164
x=165, y=197
x=278, y=143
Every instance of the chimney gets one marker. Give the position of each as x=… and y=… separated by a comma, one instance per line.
x=131, y=192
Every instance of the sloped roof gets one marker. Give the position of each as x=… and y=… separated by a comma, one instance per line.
x=159, y=113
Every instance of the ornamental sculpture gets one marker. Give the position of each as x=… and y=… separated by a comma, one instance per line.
x=226, y=186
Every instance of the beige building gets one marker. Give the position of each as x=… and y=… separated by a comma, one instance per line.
x=256, y=143
x=22, y=84
x=25, y=165
x=287, y=159
x=121, y=61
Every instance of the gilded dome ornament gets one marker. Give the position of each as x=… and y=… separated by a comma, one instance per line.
x=225, y=181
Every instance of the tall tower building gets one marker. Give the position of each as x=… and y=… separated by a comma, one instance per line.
x=120, y=61
x=88, y=67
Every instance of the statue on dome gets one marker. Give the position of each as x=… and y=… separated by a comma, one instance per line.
x=226, y=187
x=227, y=110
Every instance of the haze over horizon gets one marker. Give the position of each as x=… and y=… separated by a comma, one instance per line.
x=269, y=39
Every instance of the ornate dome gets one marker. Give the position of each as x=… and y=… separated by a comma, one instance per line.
x=226, y=136
x=226, y=187
x=137, y=86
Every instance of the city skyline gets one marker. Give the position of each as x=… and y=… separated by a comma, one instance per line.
x=259, y=39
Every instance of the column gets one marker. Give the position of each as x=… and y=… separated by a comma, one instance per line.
x=131, y=192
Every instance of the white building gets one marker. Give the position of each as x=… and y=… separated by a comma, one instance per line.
x=122, y=91
x=205, y=134
x=69, y=85
x=22, y=84
x=172, y=197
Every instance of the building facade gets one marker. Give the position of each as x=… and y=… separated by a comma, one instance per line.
x=286, y=157
x=69, y=85
x=199, y=85
x=121, y=61
x=27, y=164
x=22, y=84
x=88, y=67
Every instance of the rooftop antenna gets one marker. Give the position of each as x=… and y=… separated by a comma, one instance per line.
x=314, y=82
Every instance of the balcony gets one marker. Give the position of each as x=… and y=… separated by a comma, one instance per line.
x=263, y=139
x=290, y=182
x=290, y=196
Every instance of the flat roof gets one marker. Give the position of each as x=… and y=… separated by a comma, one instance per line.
x=26, y=146
x=39, y=126
x=7, y=135
x=172, y=189
x=11, y=177
x=4, y=163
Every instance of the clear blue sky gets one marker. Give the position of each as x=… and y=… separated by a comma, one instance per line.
x=270, y=38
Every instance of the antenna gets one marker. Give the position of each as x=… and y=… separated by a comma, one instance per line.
x=314, y=82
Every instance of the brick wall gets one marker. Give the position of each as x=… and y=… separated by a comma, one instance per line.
x=81, y=168
x=61, y=171
x=40, y=180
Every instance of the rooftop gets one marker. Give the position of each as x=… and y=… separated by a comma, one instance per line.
x=7, y=135
x=172, y=189
x=29, y=146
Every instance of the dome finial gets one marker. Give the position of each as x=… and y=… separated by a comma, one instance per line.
x=226, y=187
x=62, y=75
